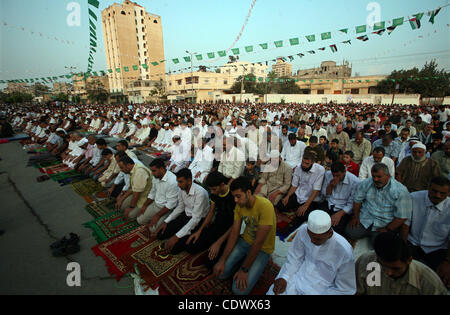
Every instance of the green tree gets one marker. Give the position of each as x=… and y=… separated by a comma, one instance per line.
x=96, y=91
x=40, y=89
x=429, y=81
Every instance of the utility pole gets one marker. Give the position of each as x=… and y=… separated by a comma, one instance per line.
x=71, y=73
x=192, y=74
x=242, y=83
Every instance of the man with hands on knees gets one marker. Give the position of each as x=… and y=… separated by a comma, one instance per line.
x=257, y=243
x=162, y=199
x=187, y=217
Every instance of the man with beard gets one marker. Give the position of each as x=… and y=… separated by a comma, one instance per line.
x=380, y=204
x=396, y=273
x=416, y=171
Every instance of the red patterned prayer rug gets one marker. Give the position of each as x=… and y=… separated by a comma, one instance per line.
x=120, y=248
x=153, y=267
x=192, y=278
x=283, y=219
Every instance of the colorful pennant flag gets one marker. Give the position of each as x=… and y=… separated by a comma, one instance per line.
x=380, y=32
x=379, y=26
x=433, y=15
x=347, y=42
x=264, y=46
x=211, y=55
x=248, y=48
x=187, y=59
x=235, y=51
x=364, y=38
x=415, y=21
x=222, y=53
x=361, y=29
x=344, y=30
x=333, y=48
x=326, y=35
x=398, y=21
x=199, y=57
x=390, y=29
x=311, y=38
x=278, y=43
x=294, y=41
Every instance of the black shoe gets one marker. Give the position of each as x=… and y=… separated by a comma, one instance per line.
x=74, y=239
x=66, y=250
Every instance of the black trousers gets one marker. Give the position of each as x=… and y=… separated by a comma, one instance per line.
x=209, y=235
x=432, y=260
x=117, y=190
x=293, y=205
x=173, y=227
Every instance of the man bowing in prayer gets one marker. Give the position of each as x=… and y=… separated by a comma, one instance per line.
x=319, y=262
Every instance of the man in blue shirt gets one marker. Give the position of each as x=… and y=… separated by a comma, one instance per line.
x=380, y=204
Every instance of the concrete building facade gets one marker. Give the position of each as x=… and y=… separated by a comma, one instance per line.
x=327, y=70
x=282, y=68
x=134, y=39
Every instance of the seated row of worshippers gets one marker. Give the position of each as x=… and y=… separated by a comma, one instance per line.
x=177, y=208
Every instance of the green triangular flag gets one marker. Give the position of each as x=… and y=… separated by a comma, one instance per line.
x=326, y=35
x=294, y=41
x=398, y=21
x=187, y=59
x=135, y=67
x=155, y=63
x=126, y=69
x=235, y=51
x=311, y=38
x=379, y=26
x=222, y=53
x=199, y=57
x=118, y=70
x=176, y=60
x=145, y=66
x=361, y=29
x=264, y=46
x=110, y=70
x=211, y=55
x=248, y=48
x=344, y=30
x=433, y=14
x=94, y=3
x=278, y=43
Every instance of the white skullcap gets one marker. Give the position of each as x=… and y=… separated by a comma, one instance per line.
x=419, y=145
x=319, y=222
x=166, y=125
x=277, y=122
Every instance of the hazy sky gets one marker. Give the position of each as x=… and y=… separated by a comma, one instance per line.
x=209, y=26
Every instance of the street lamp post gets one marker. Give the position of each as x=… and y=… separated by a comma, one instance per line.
x=192, y=73
x=71, y=73
x=242, y=83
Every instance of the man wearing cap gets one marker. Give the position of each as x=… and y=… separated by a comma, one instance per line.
x=319, y=262
x=203, y=162
x=275, y=178
x=292, y=152
x=180, y=155
x=416, y=171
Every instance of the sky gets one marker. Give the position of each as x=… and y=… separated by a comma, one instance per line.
x=204, y=26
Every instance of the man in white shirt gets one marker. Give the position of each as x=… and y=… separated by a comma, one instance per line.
x=304, y=194
x=187, y=217
x=162, y=199
x=319, y=262
x=180, y=155
x=202, y=163
x=292, y=152
x=377, y=157
x=319, y=131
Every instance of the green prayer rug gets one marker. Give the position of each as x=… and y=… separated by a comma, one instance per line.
x=101, y=208
x=111, y=225
x=86, y=187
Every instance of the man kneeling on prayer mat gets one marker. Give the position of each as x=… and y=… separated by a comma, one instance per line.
x=162, y=199
x=319, y=262
x=187, y=217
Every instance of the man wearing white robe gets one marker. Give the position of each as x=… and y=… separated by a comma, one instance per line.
x=319, y=262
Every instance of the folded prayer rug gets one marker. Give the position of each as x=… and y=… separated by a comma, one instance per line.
x=100, y=208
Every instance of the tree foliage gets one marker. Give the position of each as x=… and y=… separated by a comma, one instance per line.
x=429, y=81
x=96, y=92
x=283, y=85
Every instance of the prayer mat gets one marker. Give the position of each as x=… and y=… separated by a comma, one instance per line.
x=44, y=164
x=15, y=138
x=64, y=175
x=187, y=276
x=100, y=208
x=210, y=285
x=115, y=250
x=67, y=181
x=283, y=220
x=86, y=187
x=110, y=225
x=152, y=267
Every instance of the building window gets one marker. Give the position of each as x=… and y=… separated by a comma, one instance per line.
x=155, y=21
x=225, y=82
x=142, y=12
x=143, y=30
x=123, y=13
x=179, y=82
x=320, y=91
x=355, y=91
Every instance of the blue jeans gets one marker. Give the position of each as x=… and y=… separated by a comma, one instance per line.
x=233, y=264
